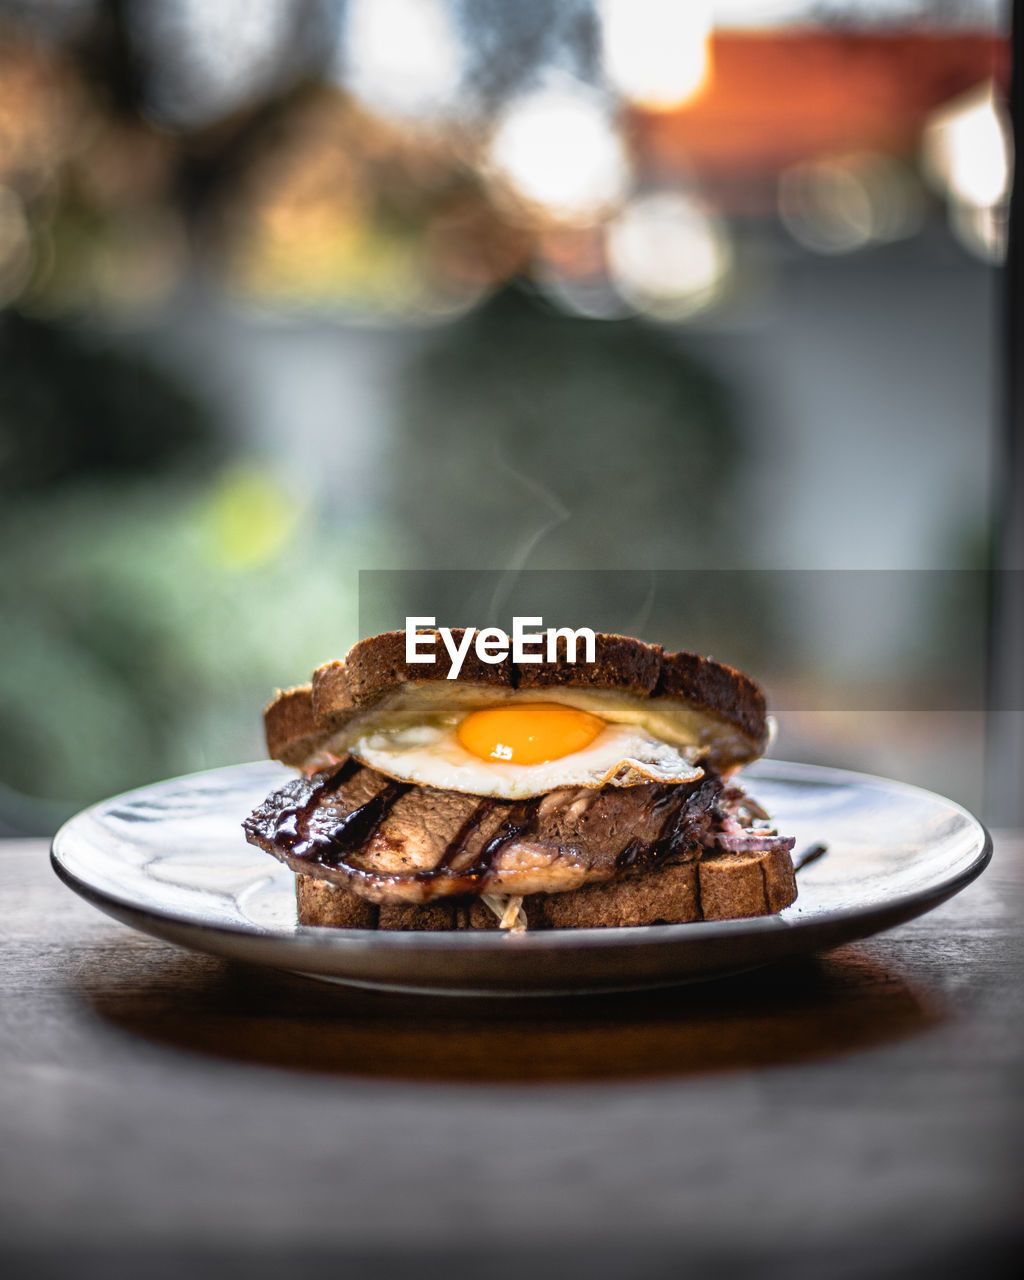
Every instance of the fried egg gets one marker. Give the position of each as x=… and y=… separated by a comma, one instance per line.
x=524, y=749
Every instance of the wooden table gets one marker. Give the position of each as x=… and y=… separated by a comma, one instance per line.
x=164, y=1114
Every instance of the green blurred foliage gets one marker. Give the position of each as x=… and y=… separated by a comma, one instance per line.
x=133, y=645
x=152, y=596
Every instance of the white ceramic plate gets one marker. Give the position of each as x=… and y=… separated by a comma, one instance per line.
x=171, y=860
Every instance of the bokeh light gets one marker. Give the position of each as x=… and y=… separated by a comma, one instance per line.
x=656, y=53
x=559, y=152
x=966, y=148
x=209, y=59
x=845, y=203
x=668, y=256
x=967, y=153
x=246, y=519
x=402, y=58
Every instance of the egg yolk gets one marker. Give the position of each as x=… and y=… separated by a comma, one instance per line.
x=528, y=732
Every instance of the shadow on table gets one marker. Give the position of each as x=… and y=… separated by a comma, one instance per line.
x=787, y=1013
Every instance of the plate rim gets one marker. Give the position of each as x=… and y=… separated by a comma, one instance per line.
x=316, y=937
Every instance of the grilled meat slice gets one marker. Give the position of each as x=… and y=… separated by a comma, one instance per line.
x=394, y=842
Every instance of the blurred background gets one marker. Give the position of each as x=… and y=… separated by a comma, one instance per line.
x=303, y=288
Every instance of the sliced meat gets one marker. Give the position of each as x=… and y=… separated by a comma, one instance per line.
x=393, y=842
x=740, y=825
x=756, y=842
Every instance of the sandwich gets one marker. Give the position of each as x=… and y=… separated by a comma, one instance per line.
x=547, y=795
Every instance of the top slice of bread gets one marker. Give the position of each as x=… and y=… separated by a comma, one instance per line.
x=291, y=732
x=375, y=667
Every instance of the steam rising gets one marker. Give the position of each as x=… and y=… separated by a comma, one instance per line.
x=558, y=514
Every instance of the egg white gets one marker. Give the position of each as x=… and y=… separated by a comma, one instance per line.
x=431, y=755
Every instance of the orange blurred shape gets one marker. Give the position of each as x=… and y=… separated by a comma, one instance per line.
x=42, y=112
x=779, y=98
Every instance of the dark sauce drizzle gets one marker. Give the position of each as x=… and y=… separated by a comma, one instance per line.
x=519, y=821
x=460, y=840
x=360, y=826
x=352, y=830
x=807, y=856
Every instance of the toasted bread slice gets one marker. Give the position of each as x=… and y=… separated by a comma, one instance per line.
x=292, y=735
x=720, y=886
x=375, y=667
x=681, y=692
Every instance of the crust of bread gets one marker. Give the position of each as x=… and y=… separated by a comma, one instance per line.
x=735, y=885
x=376, y=667
x=717, y=687
x=720, y=886
x=443, y=916
x=320, y=902
x=620, y=662
x=669, y=895
x=291, y=731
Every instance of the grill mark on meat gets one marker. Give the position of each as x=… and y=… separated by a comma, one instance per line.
x=520, y=819
x=693, y=819
x=360, y=826
x=291, y=827
x=517, y=824
x=685, y=823
x=460, y=840
x=354, y=829
x=646, y=852
x=630, y=856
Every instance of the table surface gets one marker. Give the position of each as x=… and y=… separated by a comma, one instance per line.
x=857, y=1114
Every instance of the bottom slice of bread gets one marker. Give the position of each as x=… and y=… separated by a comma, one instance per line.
x=720, y=886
